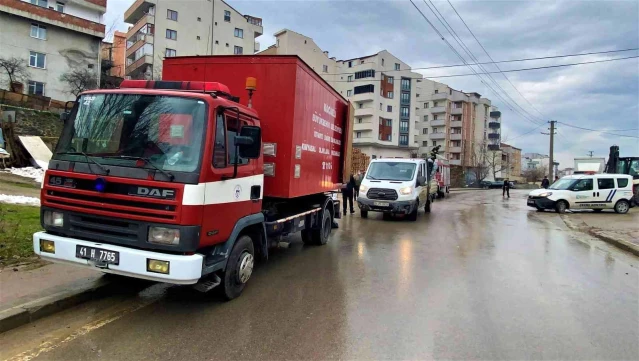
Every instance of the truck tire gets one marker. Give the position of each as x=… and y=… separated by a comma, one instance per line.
x=239, y=268
x=363, y=214
x=427, y=205
x=320, y=236
x=561, y=207
x=622, y=206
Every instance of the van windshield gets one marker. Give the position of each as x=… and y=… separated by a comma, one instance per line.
x=563, y=184
x=394, y=171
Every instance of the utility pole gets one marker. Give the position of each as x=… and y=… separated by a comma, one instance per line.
x=590, y=153
x=551, y=166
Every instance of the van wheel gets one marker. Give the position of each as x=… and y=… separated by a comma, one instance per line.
x=386, y=216
x=413, y=215
x=238, y=268
x=363, y=214
x=561, y=207
x=622, y=206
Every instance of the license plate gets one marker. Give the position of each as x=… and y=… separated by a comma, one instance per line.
x=381, y=204
x=97, y=254
x=531, y=201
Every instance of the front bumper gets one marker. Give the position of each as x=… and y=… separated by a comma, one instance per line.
x=543, y=203
x=396, y=207
x=183, y=269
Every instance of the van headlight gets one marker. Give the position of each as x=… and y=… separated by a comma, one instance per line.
x=545, y=194
x=363, y=188
x=162, y=235
x=406, y=191
x=53, y=219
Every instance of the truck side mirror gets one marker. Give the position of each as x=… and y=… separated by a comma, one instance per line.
x=249, y=142
x=64, y=116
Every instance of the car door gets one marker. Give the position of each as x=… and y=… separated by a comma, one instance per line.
x=605, y=193
x=583, y=193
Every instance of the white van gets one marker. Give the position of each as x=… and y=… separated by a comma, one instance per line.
x=396, y=186
x=597, y=192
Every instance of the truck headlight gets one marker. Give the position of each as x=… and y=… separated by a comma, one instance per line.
x=545, y=194
x=162, y=235
x=53, y=219
x=363, y=189
x=406, y=191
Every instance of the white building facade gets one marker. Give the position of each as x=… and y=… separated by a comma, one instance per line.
x=170, y=28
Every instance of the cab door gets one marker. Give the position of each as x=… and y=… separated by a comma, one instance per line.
x=422, y=190
x=582, y=194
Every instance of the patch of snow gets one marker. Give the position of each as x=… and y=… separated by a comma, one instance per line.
x=42, y=164
x=36, y=174
x=30, y=201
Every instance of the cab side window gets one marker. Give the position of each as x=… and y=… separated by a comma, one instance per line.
x=622, y=182
x=420, y=171
x=233, y=126
x=219, y=148
x=606, y=183
x=583, y=185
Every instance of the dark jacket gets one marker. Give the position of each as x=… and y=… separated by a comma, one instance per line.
x=348, y=189
x=545, y=183
x=506, y=184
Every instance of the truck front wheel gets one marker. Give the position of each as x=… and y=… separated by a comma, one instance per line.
x=238, y=268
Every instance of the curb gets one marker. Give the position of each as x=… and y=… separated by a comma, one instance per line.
x=625, y=245
x=36, y=309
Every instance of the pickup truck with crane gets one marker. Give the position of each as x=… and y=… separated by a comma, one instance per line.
x=180, y=181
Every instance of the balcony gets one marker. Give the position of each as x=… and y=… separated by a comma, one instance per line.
x=363, y=97
x=363, y=126
x=456, y=111
x=438, y=110
x=144, y=39
x=144, y=20
x=257, y=22
x=139, y=65
x=494, y=125
x=496, y=114
x=493, y=147
x=456, y=136
x=136, y=11
x=440, y=96
x=455, y=123
x=437, y=136
x=494, y=136
x=364, y=112
x=49, y=16
x=455, y=162
x=437, y=123
x=454, y=149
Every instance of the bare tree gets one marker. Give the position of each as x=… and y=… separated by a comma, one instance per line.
x=495, y=162
x=479, y=160
x=535, y=174
x=79, y=80
x=16, y=71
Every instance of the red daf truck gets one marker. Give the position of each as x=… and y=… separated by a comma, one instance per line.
x=190, y=179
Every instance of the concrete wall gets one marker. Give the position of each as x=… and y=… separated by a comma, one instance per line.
x=64, y=49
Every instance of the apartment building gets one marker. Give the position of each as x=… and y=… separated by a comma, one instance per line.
x=114, y=55
x=382, y=88
x=177, y=28
x=52, y=36
x=454, y=120
x=511, y=162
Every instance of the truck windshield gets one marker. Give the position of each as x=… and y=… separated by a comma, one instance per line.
x=394, y=171
x=563, y=184
x=630, y=167
x=116, y=129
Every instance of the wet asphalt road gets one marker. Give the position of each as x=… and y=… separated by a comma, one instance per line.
x=479, y=278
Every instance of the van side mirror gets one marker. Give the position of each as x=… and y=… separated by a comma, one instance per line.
x=421, y=181
x=249, y=142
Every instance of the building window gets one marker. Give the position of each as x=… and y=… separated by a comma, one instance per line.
x=389, y=108
x=403, y=139
x=396, y=66
x=199, y=19
x=365, y=74
x=389, y=122
x=359, y=120
x=350, y=64
x=405, y=84
x=389, y=95
x=434, y=143
x=358, y=135
x=425, y=131
x=404, y=112
x=435, y=117
x=43, y=3
x=349, y=78
x=197, y=37
x=237, y=50
x=168, y=53
x=425, y=118
x=171, y=14
x=239, y=33
x=171, y=34
x=37, y=60
x=403, y=126
x=426, y=105
x=425, y=143
x=405, y=97
x=325, y=68
x=435, y=104
x=59, y=7
x=370, y=88
x=436, y=91
x=390, y=80
x=349, y=93
x=38, y=32
x=36, y=88
x=382, y=62
x=417, y=95
x=227, y=16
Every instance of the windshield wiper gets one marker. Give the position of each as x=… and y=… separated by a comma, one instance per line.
x=146, y=160
x=104, y=169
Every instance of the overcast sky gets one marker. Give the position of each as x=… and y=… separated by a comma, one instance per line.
x=597, y=96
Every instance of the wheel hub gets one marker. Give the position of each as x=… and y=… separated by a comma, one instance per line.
x=245, y=267
x=622, y=207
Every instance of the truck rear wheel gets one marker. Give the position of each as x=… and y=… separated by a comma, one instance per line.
x=320, y=235
x=239, y=268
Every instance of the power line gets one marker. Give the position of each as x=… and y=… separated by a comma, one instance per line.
x=526, y=133
x=506, y=71
x=491, y=59
x=502, y=61
x=605, y=131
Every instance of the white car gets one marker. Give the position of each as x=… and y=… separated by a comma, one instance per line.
x=597, y=192
x=396, y=186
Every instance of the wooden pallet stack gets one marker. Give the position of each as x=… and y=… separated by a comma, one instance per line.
x=360, y=161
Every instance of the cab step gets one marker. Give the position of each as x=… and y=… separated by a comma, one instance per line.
x=208, y=283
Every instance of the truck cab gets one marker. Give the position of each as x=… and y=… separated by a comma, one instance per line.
x=396, y=186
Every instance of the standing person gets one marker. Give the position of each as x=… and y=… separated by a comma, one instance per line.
x=358, y=182
x=347, y=193
x=556, y=178
x=545, y=183
x=506, y=188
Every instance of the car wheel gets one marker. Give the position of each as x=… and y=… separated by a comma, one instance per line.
x=363, y=214
x=561, y=207
x=622, y=206
x=238, y=268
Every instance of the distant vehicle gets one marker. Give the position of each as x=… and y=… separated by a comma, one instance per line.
x=624, y=165
x=442, y=176
x=597, y=192
x=589, y=165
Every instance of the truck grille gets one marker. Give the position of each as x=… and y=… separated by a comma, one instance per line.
x=101, y=229
x=382, y=194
